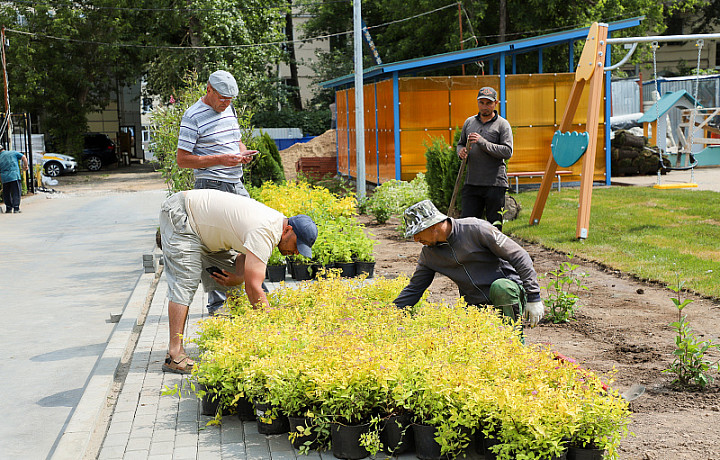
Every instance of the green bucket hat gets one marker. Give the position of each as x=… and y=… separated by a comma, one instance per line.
x=420, y=216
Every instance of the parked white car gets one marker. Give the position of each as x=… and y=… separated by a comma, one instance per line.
x=56, y=164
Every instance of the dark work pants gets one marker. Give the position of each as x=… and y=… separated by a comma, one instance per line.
x=483, y=202
x=11, y=195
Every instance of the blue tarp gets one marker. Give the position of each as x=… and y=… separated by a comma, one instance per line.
x=282, y=144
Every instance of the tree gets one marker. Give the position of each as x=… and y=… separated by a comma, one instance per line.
x=61, y=80
x=244, y=37
x=69, y=58
x=438, y=32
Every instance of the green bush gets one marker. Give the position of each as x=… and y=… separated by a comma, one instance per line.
x=266, y=166
x=442, y=164
x=393, y=197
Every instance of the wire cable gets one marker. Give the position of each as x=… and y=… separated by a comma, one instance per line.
x=247, y=45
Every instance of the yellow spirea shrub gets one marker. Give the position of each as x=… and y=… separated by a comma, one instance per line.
x=340, y=351
x=293, y=198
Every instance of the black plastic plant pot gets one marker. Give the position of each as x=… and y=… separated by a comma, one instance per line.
x=488, y=442
x=310, y=440
x=397, y=434
x=209, y=401
x=303, y=272
x=321, y=271
x=291, y=268
x=269, y=420
x=275, y=273
x=245, y=410
x=346, y=441
x=347, y=269
x=479, y=442
x=426, y=447
x=579, y=453
x=367, y=268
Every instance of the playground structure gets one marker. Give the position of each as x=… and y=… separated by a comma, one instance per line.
x=568, y=147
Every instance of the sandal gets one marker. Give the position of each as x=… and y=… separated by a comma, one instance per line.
x=180, y=365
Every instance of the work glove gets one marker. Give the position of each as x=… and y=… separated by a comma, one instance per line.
x=534, y=311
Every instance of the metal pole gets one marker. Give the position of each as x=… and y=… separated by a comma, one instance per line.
x=359, y=100
x=8, y=119
x=661, y=38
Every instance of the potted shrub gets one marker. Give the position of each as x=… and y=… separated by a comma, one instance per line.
x=276, y=266
x=302, y=267
x=363, y=250
x=601, y=423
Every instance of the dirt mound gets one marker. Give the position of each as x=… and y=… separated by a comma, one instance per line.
x=322, y=146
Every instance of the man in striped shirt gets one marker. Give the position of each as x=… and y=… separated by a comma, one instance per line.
x=210, y=143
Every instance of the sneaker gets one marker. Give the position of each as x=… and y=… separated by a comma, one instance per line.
x=17, y=211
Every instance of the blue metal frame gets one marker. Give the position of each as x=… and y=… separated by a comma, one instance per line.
x=396, y=123
x=337, y=140
x=503, y=99
x=484, y=53
x=540, y=60
x=347, y=104
x=377, y=137
x=608, y=110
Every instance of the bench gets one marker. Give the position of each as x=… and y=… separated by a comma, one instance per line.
x=518, y=175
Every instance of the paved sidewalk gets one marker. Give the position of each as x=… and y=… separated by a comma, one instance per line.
x=147, y=425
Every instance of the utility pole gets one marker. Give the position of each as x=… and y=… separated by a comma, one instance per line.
x=359, y=100
x=8, y=119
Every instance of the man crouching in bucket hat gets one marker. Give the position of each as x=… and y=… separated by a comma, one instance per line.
x=224, y=240
x=488, y=267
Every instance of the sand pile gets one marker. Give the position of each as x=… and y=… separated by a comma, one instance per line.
x=322, y=146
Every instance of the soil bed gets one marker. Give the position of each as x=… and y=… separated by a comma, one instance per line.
x=622, y=324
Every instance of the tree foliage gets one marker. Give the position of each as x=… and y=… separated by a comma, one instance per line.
x=442, y=164
x=65, y=69
x=68, y=58
x=267, y=165
x=439, y=31
x=244, y=37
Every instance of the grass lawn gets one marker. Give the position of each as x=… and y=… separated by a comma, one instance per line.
x=653, y=234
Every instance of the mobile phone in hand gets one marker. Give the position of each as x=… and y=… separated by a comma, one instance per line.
x=213, y=270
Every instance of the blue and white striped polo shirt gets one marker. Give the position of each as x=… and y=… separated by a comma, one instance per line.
x=203, y=131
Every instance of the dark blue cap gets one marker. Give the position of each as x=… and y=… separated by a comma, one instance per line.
x=306, y=232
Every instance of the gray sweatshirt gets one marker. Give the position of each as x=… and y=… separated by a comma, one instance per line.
x=475, y=255
x=485, y=164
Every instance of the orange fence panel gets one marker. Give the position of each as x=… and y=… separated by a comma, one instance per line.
x=435, y=106
x=531, y=100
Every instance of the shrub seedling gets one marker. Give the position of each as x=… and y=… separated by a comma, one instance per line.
x=689, y=365
x=562, y=300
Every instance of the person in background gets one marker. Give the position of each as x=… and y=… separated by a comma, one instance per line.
x=11, y=178
x=488, y=267
x=210, y=142
x=486, y=141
